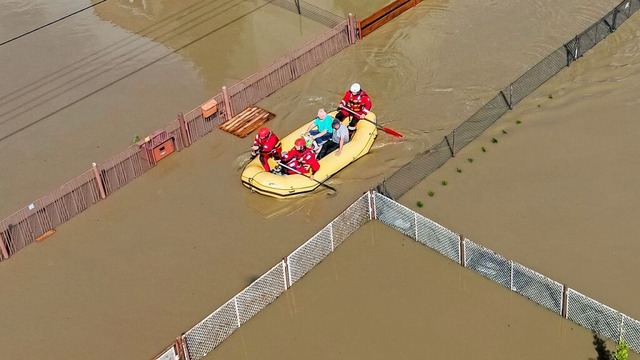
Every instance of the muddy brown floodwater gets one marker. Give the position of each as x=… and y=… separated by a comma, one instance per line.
x=382, y=295
x=130, y=274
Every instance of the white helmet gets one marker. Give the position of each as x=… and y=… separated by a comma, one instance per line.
x=355, y=88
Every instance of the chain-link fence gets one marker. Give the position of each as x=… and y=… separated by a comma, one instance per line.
x=309, y=11
x=552, y=295
x=419, y=168
x=215, y=328
x=589, y=313
x=536, y=287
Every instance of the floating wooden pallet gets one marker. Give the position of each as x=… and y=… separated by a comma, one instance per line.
x=248, y=120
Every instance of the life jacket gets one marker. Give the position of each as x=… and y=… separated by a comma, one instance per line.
x=306, y=157
x=359, y=102
x=267, y=144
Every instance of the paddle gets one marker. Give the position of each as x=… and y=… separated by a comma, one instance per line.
x=296, y=171
x=383, y=128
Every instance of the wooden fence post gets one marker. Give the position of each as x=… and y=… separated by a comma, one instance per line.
x=3, y=248
x=227, y=103
x=184, y=133
x=96, y=173
x=351, y=25
x=183, y=351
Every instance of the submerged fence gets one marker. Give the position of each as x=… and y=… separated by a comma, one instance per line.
x=379, y=205
x=205, y=336
x=43, y=215
x=419, y=168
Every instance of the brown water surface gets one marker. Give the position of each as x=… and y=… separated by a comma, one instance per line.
x=133, y=272
x=557, y=193
x=81, y=89
x=382, y=295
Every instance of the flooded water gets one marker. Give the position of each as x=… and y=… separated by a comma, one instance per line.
x=166, y=250
x=384, y=296
x=80, y=90
x=557, y=192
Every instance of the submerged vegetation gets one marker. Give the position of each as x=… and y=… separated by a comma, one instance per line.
x=621, y=353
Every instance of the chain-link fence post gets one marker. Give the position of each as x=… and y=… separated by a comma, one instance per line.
x=287, y=277
x=509, y=99
x=612, y=26
x=372, y=205
x=452, y=143
x=462, y=255
x=564, y=301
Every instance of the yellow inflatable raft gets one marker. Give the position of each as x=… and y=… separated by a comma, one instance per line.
x=281, y=186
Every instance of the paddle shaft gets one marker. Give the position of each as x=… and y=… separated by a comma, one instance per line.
x=296, y=171
x=383, y=128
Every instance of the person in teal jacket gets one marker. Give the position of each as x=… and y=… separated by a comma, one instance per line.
x=320, y=129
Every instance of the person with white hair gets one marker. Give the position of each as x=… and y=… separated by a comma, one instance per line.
x=355, y=103
x=320, y=129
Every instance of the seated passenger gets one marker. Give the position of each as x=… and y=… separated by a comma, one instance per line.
x=339, y=138
x=321, y=130
x=300, y=160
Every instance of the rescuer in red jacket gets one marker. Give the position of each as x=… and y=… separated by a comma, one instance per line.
x=357, y=101
x=300, y=159
x=266, y=145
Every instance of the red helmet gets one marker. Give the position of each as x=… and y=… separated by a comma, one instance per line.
x=263, y=132
x=300, y=142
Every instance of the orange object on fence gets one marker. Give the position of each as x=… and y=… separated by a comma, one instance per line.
x=158, y=146
x=163, y=150
x=209, y=108
x=385, y=15
x=44, y=236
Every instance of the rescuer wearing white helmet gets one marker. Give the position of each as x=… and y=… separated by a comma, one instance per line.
x=356, y=104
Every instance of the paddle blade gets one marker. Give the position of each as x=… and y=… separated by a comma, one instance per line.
x=391, y=132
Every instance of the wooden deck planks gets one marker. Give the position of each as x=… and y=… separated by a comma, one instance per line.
x=248, y=120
